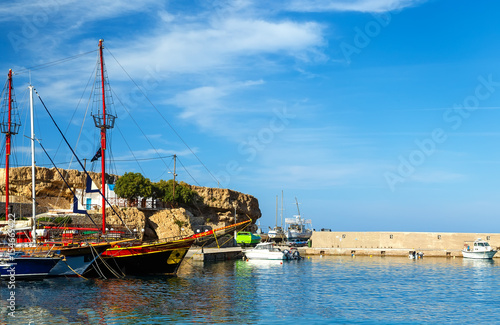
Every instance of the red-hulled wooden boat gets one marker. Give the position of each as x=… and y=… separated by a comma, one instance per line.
x=161, y=257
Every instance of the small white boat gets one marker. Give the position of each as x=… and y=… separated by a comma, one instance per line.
x=414, y=255
x=276, y=234
x=479, y=249
x=267, y=251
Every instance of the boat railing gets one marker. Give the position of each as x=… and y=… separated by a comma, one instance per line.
x=75, y=234
x=168, y=239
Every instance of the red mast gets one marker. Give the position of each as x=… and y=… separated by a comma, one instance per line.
x=7, y=148
x=103, y=120
x=10, y=125
x=103, y=143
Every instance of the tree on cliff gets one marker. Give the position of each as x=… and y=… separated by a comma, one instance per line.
x=132, y=186
x=164, y=191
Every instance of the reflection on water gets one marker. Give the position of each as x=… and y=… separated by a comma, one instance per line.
x=478, y=263
x=319, y=290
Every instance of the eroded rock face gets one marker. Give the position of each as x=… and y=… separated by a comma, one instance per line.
x=132, y=217
x=48, y=182
x=219, y=205
x=171, y=223
x=214, y=207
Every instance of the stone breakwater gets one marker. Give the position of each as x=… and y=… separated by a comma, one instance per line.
x=442, y=244
x=214, y=207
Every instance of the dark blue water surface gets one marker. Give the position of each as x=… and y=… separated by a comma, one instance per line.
x=345, y=290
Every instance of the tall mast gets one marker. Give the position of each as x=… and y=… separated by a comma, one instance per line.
x=281, y=209
x=276, y=211
x=103, y=143
x=10, y=125
x=33, y=198
x=103, y=120
x=7, y=148
x=297, y=202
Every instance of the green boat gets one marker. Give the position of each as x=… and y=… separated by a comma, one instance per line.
x=246, y=238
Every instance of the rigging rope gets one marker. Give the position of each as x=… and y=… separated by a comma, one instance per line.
x=79, y=162
x=145, y=136
x=164, y=119
x=126, y=143
x=187, y=171
x=57, y=169
x=49, y=64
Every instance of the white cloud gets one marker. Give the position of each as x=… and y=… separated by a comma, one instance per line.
x=206, y=106
x=196, y=48
x=351, y=5
x=220, y=45
x=71, y=13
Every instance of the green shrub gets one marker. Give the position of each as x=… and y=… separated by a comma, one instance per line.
x=132, y=186
x=183, y=193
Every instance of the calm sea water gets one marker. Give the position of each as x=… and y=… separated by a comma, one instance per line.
x=344, y=290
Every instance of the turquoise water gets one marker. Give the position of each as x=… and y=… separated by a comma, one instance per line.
x=344, y=290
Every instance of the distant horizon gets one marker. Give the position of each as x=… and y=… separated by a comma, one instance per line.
x=374, y=114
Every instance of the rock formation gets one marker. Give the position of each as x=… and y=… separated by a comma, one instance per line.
x=213, y=207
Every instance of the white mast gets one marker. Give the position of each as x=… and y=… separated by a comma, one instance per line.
x=33, y=202
x=276, y=227
x=281, y=209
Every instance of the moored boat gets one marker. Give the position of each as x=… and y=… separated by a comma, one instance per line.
x=247, y=238
x=297, y=227
x=13, y=263
x=75, y=261
x=277, y=234
x=478, y=249
x=268, y=251
x=20, y=266
x=159, y=258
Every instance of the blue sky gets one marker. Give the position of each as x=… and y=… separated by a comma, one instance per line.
x=377, y=115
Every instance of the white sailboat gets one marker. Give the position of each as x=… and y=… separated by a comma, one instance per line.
x=277, y=234
x=14, y=263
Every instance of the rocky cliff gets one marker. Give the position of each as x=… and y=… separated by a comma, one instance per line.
x=214, y=207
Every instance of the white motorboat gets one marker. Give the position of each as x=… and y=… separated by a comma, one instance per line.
x=267, y=251
x=479, y=249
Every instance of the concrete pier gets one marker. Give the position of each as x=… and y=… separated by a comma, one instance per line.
x=214, y=254
x=395, y=243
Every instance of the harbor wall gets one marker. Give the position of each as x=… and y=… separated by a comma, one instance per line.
x=395, y=243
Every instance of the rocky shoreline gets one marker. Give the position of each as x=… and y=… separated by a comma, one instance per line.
x=214, y=207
